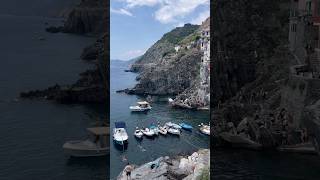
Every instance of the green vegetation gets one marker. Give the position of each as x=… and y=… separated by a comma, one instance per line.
x=179, y=33
x=205, y=174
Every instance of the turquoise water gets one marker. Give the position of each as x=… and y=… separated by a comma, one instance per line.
x=139, y=152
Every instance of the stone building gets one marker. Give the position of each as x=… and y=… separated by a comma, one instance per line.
x=205, y=63
x=304, y=32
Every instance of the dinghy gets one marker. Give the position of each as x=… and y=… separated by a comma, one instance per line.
x=174, y=131
x=141, y=107
x=155, y=129
x=147, y=132
x=170, y=124
x=96, y=145
x=120, y=135
x=186, y=126
x=162, y=130
x=138, y=133
x=205, y=129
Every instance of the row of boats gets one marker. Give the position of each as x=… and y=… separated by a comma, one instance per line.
x=121, y=137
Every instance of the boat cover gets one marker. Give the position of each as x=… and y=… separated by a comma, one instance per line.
x=120, y=124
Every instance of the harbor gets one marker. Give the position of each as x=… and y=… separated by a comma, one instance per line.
x=141, y=150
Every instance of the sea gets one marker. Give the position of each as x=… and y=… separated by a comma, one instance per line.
x=138, y=152
x=32, y=132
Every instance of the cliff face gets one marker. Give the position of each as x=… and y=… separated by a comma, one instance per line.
x=87, y=17
x=245, y=37
x=172, y=66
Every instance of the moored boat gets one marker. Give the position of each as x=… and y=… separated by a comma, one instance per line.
x=141, y=107
x=186, y=126
x=138, y=133
x=204, y=129
x=155, y=129
x=163, y=130
x=173, y=125
x=174, y=131
x=148, y=132
x=96, y=145
x=120, y=135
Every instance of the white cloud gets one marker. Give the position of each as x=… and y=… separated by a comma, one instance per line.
x=132, y=54
x=134, y=3
x=171, y=11
x=121, y=11
x=201, y=17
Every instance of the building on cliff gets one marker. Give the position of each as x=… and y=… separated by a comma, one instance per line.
x=205, y=63
x=304, y=33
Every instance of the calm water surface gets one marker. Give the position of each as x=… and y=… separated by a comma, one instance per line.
x=140, y=152
x=246, y=164
x=32, y=132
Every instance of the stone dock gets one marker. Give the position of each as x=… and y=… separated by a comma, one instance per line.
x=193, y=167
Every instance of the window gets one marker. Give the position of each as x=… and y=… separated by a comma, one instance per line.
x=308, y=7
x=293, y=27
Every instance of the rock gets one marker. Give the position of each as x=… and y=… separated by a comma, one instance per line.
x=90, y=53
x=175, y=168
x=53, y=29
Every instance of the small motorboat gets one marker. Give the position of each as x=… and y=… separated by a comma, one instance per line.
x=174, y=125
x=155, y=129
x=174, y=131
x=163, y=130
x=148, y=132
x=120, y=135
x=186, y=126
x=205, y=129
x=96, y=145
x=141, y=107
x=138, y=133
x=170, y=100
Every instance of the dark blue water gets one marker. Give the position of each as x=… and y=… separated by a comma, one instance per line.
x=255, y=165
x=149, y=149
x=32, y=132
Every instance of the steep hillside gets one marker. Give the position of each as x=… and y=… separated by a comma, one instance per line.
x=172, y=67
x=163, y=47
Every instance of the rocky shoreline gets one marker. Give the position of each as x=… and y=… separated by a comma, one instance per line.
x=89, y=17
x=195, y=166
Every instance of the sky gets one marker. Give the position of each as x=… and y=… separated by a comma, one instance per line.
x=137, y=24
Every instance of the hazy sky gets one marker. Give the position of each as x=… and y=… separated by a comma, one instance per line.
x=137, y=24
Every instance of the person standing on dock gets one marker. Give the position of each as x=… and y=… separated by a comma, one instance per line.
x=128, y=170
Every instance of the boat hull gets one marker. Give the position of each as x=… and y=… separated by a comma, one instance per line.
x=72, y=150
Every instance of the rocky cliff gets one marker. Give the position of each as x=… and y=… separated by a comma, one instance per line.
x=257, y=102
x=92, y=87
x=195, y=166
x=172, y=66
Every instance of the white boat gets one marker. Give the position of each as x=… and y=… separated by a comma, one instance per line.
x=170, y=100
x=148, y=132
x=174, y=125
x=120, y=135
x=155, y=129
x=96, y=145
x=174, y=131
x=162, y=130
x=141, y=107
x=138, y=133
x=205, y=129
